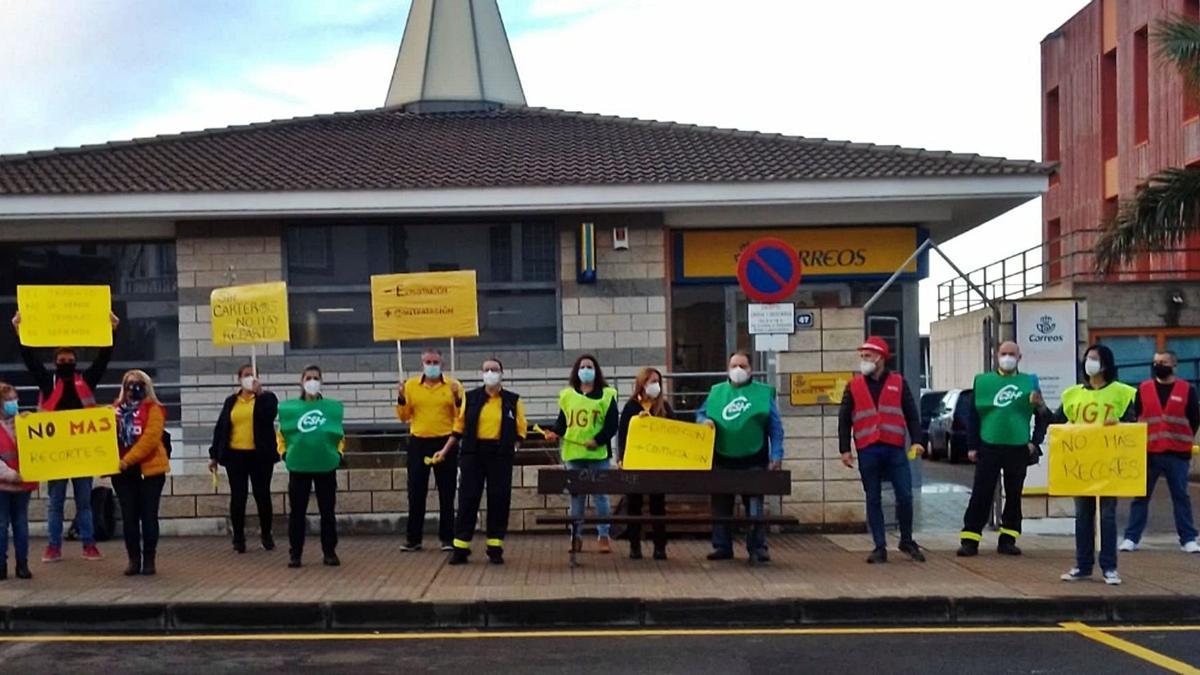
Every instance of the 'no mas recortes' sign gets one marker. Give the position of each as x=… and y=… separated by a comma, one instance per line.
x=1097, y=461
x=67, y=444
x=251, y=314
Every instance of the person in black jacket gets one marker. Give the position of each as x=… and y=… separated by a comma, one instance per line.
x=647, y=399
x=244, y=443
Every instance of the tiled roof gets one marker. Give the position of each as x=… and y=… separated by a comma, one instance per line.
x=390, y=149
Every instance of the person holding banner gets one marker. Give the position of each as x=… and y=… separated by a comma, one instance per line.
x=1100, y=400
x=14, y=493
x=1171, y=411
x=311, y=440
x=141, y=419
x=68, y=389
x=749, y=437
x=587, y=421
x=430, y=403
x=490, y=425
x=998, y=431
x=647, y=399
x=244, y=443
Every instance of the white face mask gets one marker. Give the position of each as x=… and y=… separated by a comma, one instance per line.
x=1092, y=367
x=739, y=375
x=491, y=378
x=653, y=390
x=312, y=387
x=866, y=367
x=1008, y=363
x=248, y=382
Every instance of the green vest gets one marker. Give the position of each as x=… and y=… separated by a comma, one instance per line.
x=312, y=431
x=740, y=415
x=585, y=418
x=1093, y=406
x=1004, y=408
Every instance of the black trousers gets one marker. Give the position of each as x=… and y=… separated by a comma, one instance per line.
x=445, y=475
x=658, y=507
x=300, y=486
x=492, y=467
x=1013, y=461
x=246, y=469
x=139, y=498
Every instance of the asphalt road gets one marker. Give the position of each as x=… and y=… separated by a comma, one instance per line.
x=1007, y=650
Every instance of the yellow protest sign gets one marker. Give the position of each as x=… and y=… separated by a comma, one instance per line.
x=819, y=388
x=1097, y=461
x=67, y=444
x=661, y=443
x=243, y=315
x=424, y=305
x=65, y=316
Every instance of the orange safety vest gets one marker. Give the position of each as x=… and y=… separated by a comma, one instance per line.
x=882, y=423
x=1167, y=429
x=86, y=397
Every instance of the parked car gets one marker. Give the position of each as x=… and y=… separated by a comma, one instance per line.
x=931, y=402
x=948, y=428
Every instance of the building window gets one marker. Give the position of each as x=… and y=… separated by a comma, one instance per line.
x=1141, y=86
x=1108, y=105
x=1134, y=349
x=1054, y=248
x=1053, y=133
x=515, y=265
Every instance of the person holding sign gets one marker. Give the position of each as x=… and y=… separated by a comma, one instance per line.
x=490, y=425
x=430, y=403
x=647, y=399
x=1100, y=400
x=1169, y=407
x=67, y=389
x=999, y=440
x=311, y=441
x=877, y=408
x=14, y=493
x=749, y=437
x=141, y=419
x=587, y=421
x=244, y=443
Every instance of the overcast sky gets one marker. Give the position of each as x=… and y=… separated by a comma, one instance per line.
x=958, y=75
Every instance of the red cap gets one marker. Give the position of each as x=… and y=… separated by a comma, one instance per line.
x=876, y=344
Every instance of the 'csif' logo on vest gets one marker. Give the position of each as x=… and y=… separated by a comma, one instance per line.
x=735, y=408
x=1007, y=394
x=310, y=421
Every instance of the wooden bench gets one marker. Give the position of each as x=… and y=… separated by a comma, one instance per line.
x=621, y=482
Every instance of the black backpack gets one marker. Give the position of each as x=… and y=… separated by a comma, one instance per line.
x=104, y=515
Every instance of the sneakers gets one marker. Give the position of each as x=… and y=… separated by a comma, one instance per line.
x=411, y=547
x=604, y=545
x=92, y=554
x=760, y=558
x=913, y=551
x=1129, y=546
x=53, y=554
x=447, y=547
x=877, y=557
x=1076, y=574
x=1191, y=547
x=720, y=554
x=1112, y=578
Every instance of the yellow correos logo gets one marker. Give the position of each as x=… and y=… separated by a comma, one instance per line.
x=824, y=251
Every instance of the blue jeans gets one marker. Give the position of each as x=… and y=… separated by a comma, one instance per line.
x=1175, y=469
x=14, y=513
x=722, y=535
x=875, y=464
x=1085, y=533
x=83, y=510
x=601, y=502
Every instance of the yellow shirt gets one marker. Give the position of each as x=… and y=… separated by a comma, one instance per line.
x=241, y=418
x=488, y=428
x=429, y=407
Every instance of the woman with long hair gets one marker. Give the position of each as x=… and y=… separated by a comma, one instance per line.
x=14, y=492
x=141, y=419
x=648, y=399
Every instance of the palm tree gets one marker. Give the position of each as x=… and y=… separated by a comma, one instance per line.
x=1166, y=209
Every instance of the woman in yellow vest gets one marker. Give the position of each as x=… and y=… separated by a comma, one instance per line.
x=587, y=422
x=1100, y=400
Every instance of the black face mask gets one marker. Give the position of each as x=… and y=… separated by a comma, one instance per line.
x=1162, y=371
x=65, y=369
x=136, y=392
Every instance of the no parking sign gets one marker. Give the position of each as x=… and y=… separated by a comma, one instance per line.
x=769, y=270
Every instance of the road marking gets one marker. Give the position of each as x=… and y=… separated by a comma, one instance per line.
x=1160, y=660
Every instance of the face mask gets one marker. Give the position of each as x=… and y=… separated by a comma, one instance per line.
x=65, y=369
x=866, y=367
x=587, y=375
x=739, y=375
x=653, y=390
x=136, y=391
x=1008, y=363
x=11, y=408
x=1162, y=371
x=433, y=371
x=248, y=382
x=491, y=378
x=312, y=387
x=1092, y=367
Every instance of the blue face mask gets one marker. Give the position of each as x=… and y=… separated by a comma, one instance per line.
x=433, y=371
x=11, y=408
x=587, y=375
